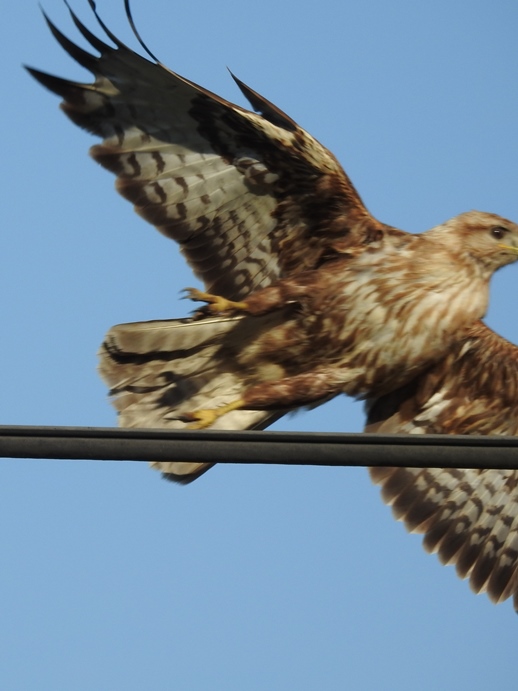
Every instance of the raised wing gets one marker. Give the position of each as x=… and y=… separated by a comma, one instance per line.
x=248, y=197
x=469, y=517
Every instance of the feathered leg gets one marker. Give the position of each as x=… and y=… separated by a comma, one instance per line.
x=261, y=301
x=288, y=392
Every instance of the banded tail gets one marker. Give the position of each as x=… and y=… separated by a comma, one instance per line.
x=158, y=371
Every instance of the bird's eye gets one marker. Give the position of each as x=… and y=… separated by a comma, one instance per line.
x=498, y=232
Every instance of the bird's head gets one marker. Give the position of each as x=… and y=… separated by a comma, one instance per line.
x=490, y=240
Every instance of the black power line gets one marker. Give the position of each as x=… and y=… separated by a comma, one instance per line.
x=284, y=448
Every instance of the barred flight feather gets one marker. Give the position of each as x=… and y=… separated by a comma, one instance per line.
x=468, y=517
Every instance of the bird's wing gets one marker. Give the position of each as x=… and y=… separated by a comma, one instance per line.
x=249, y=197
x=468, y=517
x=472, y=390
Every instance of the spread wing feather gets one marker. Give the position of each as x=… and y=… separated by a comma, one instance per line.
x=468, y=517
x=249, y=197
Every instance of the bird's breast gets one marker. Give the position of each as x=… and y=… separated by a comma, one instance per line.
x=391, y=323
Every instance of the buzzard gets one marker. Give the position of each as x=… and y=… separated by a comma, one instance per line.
x=468, y=517
x=308, y=295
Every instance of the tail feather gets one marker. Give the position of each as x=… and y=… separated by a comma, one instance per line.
x=159, y=370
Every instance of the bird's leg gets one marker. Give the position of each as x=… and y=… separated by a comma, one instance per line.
x=295, y=391
x=216, y=304
x=201, y=419
x=288, y=392
x=259, y=301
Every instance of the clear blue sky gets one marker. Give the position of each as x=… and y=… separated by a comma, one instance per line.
x=253, y=578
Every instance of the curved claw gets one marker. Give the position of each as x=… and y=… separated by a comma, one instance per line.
x=202, y=419
x=215, y=303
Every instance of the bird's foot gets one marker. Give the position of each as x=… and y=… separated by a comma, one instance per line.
x=215, y=303
x=201, y=419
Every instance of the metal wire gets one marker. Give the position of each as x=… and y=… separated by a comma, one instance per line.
x=284, y=448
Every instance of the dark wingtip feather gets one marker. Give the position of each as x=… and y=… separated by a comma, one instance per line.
x=129, y=15
x=87, y=34
x=267, y=109
x=81, y=56
x=481, y=572
x=49, y=81
x=106, y=30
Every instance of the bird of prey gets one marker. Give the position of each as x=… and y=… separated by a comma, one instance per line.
x=308, y=295
x=468, y=517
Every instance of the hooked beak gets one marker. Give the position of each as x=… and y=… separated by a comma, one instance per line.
x=510, y=248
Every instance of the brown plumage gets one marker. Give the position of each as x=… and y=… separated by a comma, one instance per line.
x=472, y=390
x=334, y=301
x=469, y=517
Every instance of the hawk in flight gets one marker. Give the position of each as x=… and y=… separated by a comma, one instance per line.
x=307, y=295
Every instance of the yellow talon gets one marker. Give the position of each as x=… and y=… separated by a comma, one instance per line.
x=201, y=419
x=216, y=303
